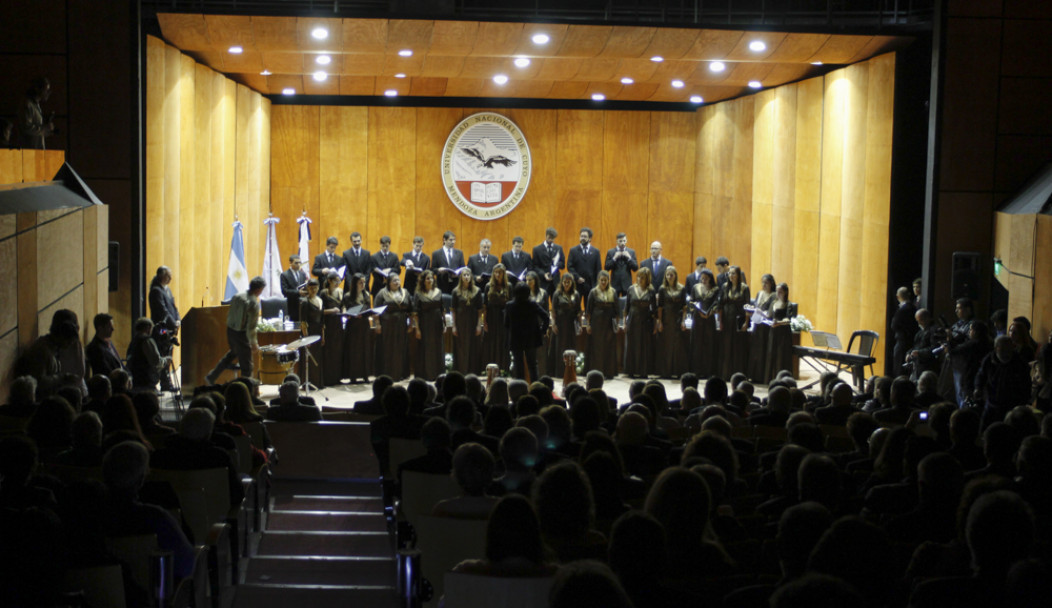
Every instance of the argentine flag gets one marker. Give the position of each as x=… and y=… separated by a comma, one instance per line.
x=236, y=273
x=272, y=260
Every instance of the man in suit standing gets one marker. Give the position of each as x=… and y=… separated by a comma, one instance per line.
x=447, y=257
x=526, y=323
x=584, y=264
x=328, y=259
x=415, y=262
x=621, y=263
x=383, y=260
x=516, y=261
x=165, y=316
x=692, y=279
x=548, y=259
x=357, y=260
x=656, y=264
x=482, y=263
x=291, y=280
x=722, y=266
x=904, y=326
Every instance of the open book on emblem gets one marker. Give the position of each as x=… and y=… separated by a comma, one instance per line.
x=485, y=193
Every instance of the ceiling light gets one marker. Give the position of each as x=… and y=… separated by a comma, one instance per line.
x=677, y=84
x=236, y=50
x=320, y=76
x=816, y=63
x=627, y=80
x=657, y=58
x=755, y=84
x=319, y=33
x=696, y=99
x=406, y=52
x=717, y=66
x=288, y=91
x=265, y=73
x=598, y=97
x=391, y=93
x=540, y=38
x=399, y=75
x=521, y=62
x=323, y=60
x=757, y=46
x=500, y=79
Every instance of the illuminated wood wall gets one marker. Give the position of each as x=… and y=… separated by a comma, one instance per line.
x=207, y=161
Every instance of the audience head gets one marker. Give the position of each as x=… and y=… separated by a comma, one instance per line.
x=124, y=467
x=587, y=583
x=517, y=388
x=1023, y=419
x=289, y=393
x=559, y=425
x=857, y=552
x=498, y=421
x=637, y=547
x=51, y=424
x=536, y=425
x=380, y=384
x=197, y=424
x=715, y=391
x=1000, y=531
x=23, y=392
x=498, y=393
x=519, y=449
x=860, y=427
x=632, y=429
x=473, y=468
x=681, y=501
x=87, y=430
x=395, y=402
x=239, y=406
x=513, y=532
x=818, y=480
x=816, y=591
x=563, y=497
x=435, y=434
x=799, y=529
x=460, y=412
x=718, y=450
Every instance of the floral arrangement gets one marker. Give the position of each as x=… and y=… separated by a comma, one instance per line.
x=264, y=326
x=449, y=362
x=580, y=363
x=800, y=323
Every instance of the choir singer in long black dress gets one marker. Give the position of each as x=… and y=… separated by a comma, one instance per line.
x=601, y=323
x=358, y=335
x=526, y=323
x=393, y=343
x=429, y=325
x=704, y=306
x=734, y=339
x=332, y=351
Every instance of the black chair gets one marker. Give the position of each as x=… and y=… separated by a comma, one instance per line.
x=867, y=342
x=272, y=307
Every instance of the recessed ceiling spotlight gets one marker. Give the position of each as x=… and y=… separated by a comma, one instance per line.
x=541, y=38
x=757, y=46
x=677, y=84
x=627, y=80
x=755, y=84
x=319, y=33
x=598, y=97
x=236, y=50
x=657, y=58
x=816, y=63
x=265, y=73
x=500, y=79
x=288, y=91
x=406, y=52
x=323, y=60
x=717, y=66
x=696, y=99
x=320, y=76
x=391, y=93
x=521, y=62
x=399, y=75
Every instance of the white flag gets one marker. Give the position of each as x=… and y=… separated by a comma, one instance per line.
x=236, y=273
x=304, y=223
x=272, y=260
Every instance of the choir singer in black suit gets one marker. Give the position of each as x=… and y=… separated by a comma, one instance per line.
x=621, y=262
x=291, y=280
x=517, y=262
x=357, y=260
x=384, y=260
x=328, y=259
x=415, y=262
x=526, y=323
x=482, y=263
x=447, y=257
x=692, y=279
x=548, y=260
x=584, y=262
x=657, y=264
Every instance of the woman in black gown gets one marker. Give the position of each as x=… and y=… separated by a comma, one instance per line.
x=392, y=347
x=671, y=350
x=734, y=340
x=332, y=348
x=760, y=331
x=639, y=326
x=357, y=333
x=704, y=306
x=312, y=323
x=429, y=325
x=566, y=312
x=780, y=351
x=601, y=324
x=494, y=336
x=540, y=296
x=467, y=325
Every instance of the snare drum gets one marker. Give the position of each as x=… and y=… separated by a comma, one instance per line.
x=287, y=358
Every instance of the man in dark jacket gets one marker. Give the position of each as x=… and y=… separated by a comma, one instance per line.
x=526, y=323
x=1003, y=381
x=904, y=327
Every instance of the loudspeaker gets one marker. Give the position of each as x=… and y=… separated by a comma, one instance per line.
x=114, y=263
x=964, y=282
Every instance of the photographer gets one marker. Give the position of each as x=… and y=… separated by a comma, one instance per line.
x=144, y=359
x=165, y=317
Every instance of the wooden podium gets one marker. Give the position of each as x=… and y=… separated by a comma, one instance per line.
x=203, y=337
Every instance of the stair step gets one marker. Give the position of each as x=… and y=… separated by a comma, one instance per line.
x=327, y=487
x=330, y=502
x=352, y=544
x=255, y=595
x=370, y=571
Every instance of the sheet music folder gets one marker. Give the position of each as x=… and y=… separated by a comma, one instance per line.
x=826, y=340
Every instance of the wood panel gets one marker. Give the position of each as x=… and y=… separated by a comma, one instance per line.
x=579, y=171
x=807, y=194
x=433, y=210
x=762, y=183
x=783, y=178
x=536, y=210
x=184, y=219
x=1042, y=319
x=833, y=118
x=392, y=177
x=852, y=203
x=671, y=197
x=626, y=175
x=10, y=166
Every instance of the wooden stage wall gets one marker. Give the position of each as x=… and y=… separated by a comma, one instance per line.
x=793, y=180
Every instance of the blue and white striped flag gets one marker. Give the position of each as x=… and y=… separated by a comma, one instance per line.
x=272, y=260
x=236, y=273
x=304, y=223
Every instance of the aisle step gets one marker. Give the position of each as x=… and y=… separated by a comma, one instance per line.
x=327, y=521
x=321, y=502
x=255, y=595
x=314, y=569
x=361, y=544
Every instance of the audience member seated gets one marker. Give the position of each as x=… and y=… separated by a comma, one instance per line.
x=787, y=490
x=638, y=557
x=964, y=436
x=124, y=469
x=50, y=427
x=461, y=414
x=857, y=552
x=18, y=464
x=420, y=396
x=1034, y=483
x=304, y=399
x=374, y=406
x=519, y=455
x=513, y=543
x=818, y=480
x=191, y=449
x=860, y=427
x=1000, y=444
x=148, y=409
x=473, y=471
x=606, y=478
x=640, y=459
x=55, y=353
x=121, y=423
x=289, y=408
x=101, y=354
x=86, y=450
x=799, y=529
x=940, y=482
x=900, y=403
x=816, y=591
x=563, y=498
x=717, y=450
x=776, y=413
x=438, y=459
x=99, y=391
x=587, y=583
x=840, y=407
x=21, y=399
x=120, y=382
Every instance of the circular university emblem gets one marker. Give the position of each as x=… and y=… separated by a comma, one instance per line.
x=486, y=166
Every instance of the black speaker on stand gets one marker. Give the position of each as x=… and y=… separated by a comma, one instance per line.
x=965, y=281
